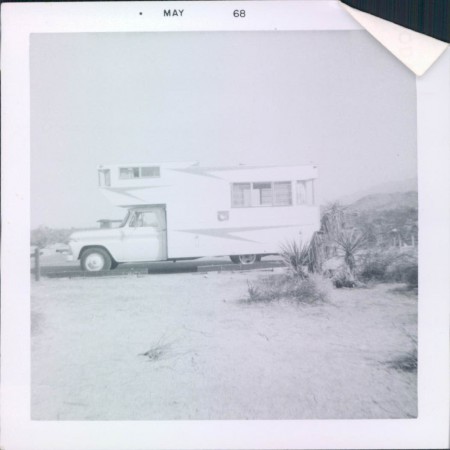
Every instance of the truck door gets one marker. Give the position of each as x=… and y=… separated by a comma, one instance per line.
x=144, y=239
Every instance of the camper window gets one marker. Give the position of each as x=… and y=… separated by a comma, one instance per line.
x=150, y=172
x=262, y=194
x=240, y=195
x=126, y=173
x=283, y=193
x=266, y=193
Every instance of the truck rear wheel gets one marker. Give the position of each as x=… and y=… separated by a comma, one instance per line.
x=95, y=260
x=245, y=259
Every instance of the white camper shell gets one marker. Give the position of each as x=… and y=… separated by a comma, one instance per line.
x=181, y=211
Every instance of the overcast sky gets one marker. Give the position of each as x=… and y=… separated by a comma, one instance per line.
x=337, y=99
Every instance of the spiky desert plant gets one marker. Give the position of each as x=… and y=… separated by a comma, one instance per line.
x=349, y=242
x=296, y=256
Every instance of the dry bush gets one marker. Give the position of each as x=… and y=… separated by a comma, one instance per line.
x=390, y=265
x=344, y=278
x=314, y=289
x=404, y=270
x=254, y=294
x=310, y=290
x=44, y=236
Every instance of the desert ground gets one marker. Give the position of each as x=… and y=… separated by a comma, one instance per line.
x=188, y=346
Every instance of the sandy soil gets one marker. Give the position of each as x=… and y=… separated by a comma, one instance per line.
x=210, y=356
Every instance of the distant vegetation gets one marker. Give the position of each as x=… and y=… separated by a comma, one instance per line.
x=388, y=219
x=44, y=236
x=373, y=239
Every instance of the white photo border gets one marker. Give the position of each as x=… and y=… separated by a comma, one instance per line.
x=429, y=430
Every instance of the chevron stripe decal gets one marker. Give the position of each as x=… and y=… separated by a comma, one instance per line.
x=227, y=233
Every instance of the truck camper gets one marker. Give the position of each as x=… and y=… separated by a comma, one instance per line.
x=179, y=211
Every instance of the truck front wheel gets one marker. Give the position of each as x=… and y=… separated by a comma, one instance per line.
x=95, y=260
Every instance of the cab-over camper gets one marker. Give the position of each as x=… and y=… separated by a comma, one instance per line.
x=181, y=210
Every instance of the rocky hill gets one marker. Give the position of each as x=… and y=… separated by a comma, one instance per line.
x=386, y=201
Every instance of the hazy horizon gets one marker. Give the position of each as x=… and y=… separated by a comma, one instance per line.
x=336, y=99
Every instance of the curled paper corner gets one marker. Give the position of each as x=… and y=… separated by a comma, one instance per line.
x=417, y=51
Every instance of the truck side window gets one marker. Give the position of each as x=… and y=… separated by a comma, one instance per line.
x=149, y=219
x=133, y=220
x=145, y=219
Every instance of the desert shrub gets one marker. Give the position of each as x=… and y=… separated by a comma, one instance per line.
x=255, y=295
x=392, y=265
x=313, y=289
x=404, y=269
x=401, y=267
x=344, y=278
x=373, y=271
x=373, y=266
x=412, y=276
x=44, y=236
x=309, y=290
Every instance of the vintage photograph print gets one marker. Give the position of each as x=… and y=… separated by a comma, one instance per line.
x=224, y=226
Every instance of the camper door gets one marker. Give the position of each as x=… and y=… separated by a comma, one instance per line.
x=144, y=239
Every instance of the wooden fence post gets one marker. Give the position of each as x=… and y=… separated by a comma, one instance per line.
x=37, y=264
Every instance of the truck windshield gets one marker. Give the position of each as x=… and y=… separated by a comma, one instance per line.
x=125, y=220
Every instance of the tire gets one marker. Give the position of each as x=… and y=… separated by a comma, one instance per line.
x=245, y=259
x=95, y=260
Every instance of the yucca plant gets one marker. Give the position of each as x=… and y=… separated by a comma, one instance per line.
x=349, y=242
x=296, y=256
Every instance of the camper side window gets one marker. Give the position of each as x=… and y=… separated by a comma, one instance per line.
x=283, y=193
x=240, y=195
x=265, y=193
x=126, y=173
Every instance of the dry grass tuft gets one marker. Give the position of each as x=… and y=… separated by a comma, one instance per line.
x=159, y=350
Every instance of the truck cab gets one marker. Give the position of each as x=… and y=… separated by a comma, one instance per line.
x=141, y=237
